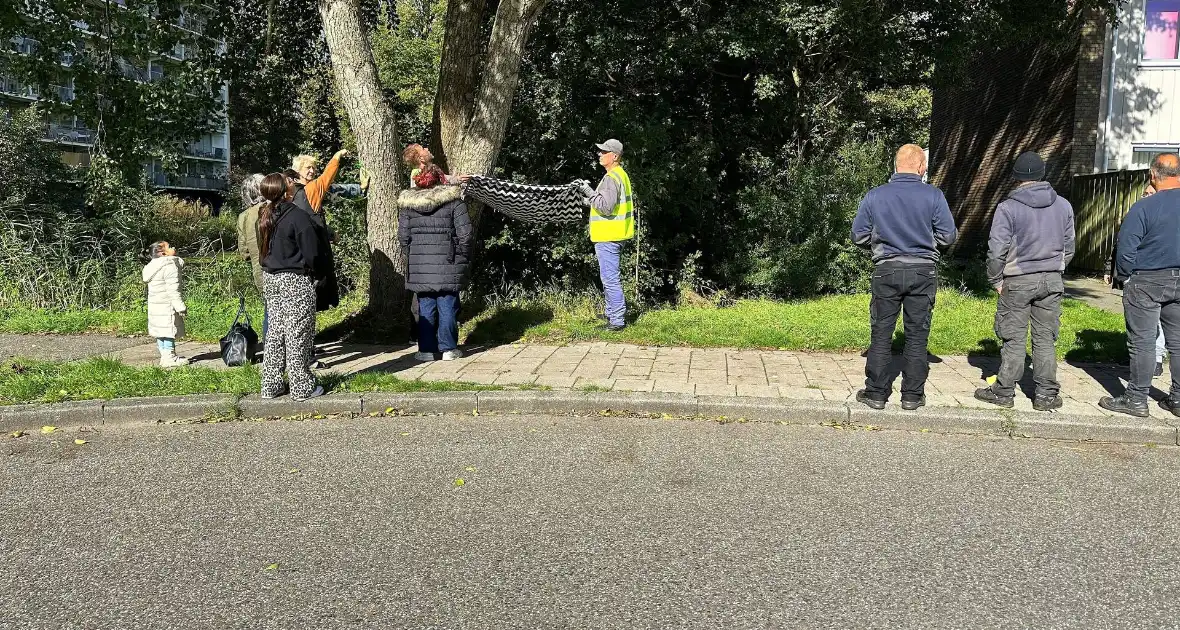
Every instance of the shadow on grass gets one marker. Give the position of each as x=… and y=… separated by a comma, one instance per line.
x=1099, y=346
x=509, y=324
x=369, y=328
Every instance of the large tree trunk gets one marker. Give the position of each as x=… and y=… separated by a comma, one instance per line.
x=477, y=83
x=372, y=122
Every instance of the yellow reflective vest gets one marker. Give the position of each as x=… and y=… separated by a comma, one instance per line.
x=619, y=225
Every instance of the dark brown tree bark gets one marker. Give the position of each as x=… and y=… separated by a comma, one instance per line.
x=373, y=123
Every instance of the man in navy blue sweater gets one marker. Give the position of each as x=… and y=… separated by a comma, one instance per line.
x=902, y=223
x=1148, y=262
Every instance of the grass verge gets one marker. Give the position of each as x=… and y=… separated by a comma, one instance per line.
x=23, y=381
x=207, y=321
x=962, y=325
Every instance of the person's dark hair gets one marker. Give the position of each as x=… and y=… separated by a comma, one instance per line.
x=155, y=250
x=291, y=173
x=1165, y=166
x=273, y=189
x=430, y=177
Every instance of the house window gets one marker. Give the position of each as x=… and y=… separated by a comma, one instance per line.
x=1161, y=38
x=1143, y=154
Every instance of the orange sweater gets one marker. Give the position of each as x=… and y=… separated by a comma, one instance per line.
x=318, y=187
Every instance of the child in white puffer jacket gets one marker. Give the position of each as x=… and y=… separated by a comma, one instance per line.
x=166, y=310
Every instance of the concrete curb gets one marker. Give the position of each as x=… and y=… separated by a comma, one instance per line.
x=955, y=420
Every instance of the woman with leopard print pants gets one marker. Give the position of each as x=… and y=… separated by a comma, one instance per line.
x=292, y=252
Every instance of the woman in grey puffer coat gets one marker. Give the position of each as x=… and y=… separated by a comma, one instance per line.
x=435, y=231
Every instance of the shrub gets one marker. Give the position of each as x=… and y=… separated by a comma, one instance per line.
x=190, y=227
x=792, y=238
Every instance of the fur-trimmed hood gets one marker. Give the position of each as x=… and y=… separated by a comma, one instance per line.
x=427, y=200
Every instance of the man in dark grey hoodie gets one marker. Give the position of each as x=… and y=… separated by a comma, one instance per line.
x=1032, y=241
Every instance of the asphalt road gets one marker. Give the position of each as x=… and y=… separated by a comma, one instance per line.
x=581, y=523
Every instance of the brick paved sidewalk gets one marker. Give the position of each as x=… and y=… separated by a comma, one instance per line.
x=704, y=372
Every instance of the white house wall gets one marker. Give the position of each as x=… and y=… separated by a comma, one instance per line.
x=1146, y=105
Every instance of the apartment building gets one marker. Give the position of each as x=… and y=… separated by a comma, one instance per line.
x=203, y=171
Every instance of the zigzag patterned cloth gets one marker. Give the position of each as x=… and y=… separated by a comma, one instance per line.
x=529, y=202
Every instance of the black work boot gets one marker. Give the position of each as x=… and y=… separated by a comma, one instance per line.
x=913, y=403
x=989, y=395
x=873, y=403
x=1172, y=405
x=1047, y=403
x=1122, y=404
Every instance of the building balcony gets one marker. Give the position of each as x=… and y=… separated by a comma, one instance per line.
x=216, y=153
x=194, y=182
x=75, y=134
x=12, y=87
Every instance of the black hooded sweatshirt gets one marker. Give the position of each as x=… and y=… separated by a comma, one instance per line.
x=295, y=245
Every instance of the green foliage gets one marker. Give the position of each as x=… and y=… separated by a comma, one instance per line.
x=407, y=46
x=62, y=244
x=346, y=217
x=791, y=233
x=280, y=104
x=190, y=227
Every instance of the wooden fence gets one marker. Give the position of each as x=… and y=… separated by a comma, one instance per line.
x=1099, y=204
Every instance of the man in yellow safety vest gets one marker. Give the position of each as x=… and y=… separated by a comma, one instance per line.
x=612, y=221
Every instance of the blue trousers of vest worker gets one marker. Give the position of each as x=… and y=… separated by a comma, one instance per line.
x=612, y=283
x=438, y=322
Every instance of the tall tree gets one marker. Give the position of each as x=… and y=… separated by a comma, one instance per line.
x=478, y=79
x=371, y=118
x=476, y=86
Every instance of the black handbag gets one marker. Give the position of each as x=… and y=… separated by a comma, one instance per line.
x=239, y=346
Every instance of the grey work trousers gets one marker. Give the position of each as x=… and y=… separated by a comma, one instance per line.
x=1032, y=300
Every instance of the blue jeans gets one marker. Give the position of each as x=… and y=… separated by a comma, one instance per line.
x=165, y=344
x=438, y=321
x=612, y=284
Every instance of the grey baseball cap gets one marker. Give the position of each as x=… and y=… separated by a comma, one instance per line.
x=611, y=146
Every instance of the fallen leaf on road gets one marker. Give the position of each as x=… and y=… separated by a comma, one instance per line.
x=475, y=412
x=374, y=414
x=17, y=434
x=406, y=434
x=272, y=567
x=459, y=482
x=925, y=430
x=388, y=410
x=471, y=469
x=48, y=429
x=318, y=416
x=294, y=471
x=80, y=442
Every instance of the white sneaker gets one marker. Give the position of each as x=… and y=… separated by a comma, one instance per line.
x=424, y=357
x=317, y=392
x=451, y=355
x=173, y=361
